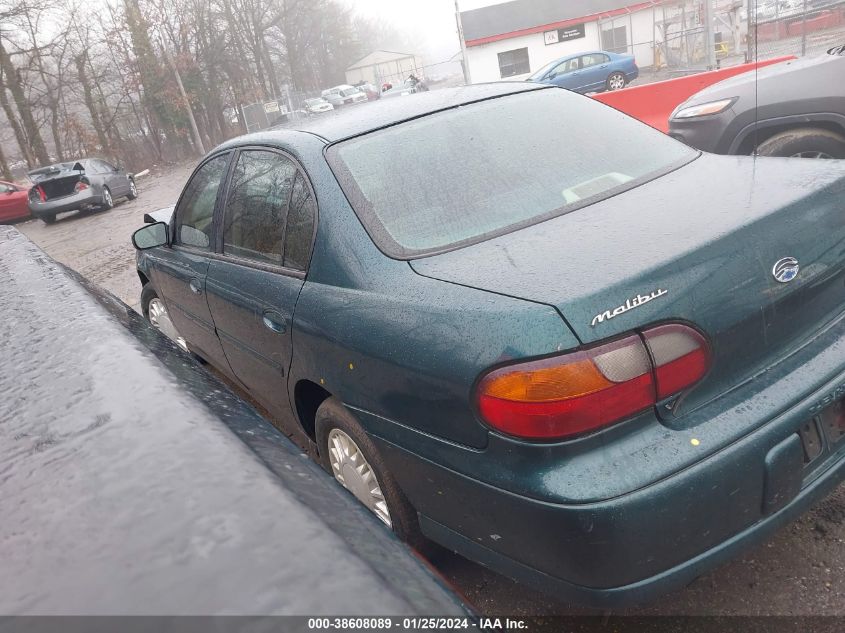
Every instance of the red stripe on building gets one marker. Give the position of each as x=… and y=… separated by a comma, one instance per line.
x=595, y=17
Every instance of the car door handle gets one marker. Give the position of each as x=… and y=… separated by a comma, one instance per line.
x=195, y=286
x=274, y=321
x=604, y=66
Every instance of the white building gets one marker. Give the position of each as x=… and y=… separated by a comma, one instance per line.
x=510, y=40
x=384, y=66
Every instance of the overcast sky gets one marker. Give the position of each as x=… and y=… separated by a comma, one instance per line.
x=432, y=21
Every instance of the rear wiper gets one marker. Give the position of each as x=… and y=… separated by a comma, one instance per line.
x=837, y=50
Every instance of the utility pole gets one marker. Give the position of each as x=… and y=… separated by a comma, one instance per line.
x=464, y=62
x=709, y=34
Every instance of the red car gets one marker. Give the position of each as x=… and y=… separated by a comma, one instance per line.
x=13, y=202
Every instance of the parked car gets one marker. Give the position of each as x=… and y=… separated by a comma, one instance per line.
x=317, y=106
x=13, y=202
x=370, y=90
x=795, y=108
x=343, y=95
x=600, y=367
x=90, y=183
x=596, y=71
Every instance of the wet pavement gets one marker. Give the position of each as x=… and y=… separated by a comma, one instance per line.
x=800, y=571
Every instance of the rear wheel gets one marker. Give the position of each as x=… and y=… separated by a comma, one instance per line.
x=133, y=190
x=804, y=143
x=616, y=81
x=349, y=455
x=156, y=313
x=107, y=202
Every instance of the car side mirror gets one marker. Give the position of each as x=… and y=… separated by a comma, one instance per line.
x=151, y=236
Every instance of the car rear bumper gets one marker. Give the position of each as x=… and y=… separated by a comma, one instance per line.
x=630, y=549
x=629, y=519
x=74, y=202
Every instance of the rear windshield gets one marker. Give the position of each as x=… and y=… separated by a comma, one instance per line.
x=467, y=174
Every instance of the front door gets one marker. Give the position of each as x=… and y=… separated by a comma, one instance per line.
x=254, y=283
x=567, y=74
x=179, y=272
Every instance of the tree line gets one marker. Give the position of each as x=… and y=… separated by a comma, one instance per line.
x=136, y=81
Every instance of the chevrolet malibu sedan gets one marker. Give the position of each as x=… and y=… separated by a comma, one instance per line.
x=598, y=367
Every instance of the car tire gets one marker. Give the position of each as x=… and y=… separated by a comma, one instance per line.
x=616, y=81
x=108, y=201
x=334, y=423
x=49, y=219
x=133, y=190
x=804, y=143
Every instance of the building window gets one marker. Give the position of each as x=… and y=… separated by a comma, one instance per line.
x=614, y=37
x=514, y=62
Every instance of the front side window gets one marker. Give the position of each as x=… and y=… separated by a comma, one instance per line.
x=485, y=169
x=257, y=206
x=514, y=62
x=195, y=214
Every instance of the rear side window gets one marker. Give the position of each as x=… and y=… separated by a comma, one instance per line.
x=196, y=209
x=257, y=206
x=300, y=225
x=467, y=174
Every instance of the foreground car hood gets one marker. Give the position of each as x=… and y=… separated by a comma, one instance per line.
x=696, y=245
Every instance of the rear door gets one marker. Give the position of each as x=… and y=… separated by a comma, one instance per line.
x=116, y=179
x=254, y=281
x=179, y=272
x=595, y=69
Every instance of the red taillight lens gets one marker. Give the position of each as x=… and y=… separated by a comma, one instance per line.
x=568, y=395
x=680, y=356
x=37, y=193
x=80, y=186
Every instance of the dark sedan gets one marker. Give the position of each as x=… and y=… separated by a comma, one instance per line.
x=78, y=185
x=599, y=367
x=796, y=108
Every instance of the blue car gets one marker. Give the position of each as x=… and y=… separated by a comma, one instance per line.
x=595, y=71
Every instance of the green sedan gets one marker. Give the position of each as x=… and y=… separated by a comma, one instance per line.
x=518, y=323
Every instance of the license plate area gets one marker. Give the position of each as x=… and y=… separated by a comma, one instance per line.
x=823, y=435
x=832, y=422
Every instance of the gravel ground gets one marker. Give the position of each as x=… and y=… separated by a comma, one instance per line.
x=801, y=571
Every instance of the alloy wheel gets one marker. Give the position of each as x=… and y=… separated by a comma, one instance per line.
x=617, y=82
x=107, y=199
x=817, y=155
x=353, y=472
x=133, y=190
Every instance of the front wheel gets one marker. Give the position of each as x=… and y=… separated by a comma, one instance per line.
x=49, y=219
x=133, y=190
x=347, y=453
x=616, y=81
x=804, y=143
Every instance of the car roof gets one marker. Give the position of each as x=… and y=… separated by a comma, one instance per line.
x=354, y=120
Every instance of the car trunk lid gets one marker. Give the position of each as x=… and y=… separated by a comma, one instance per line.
x=698, y=245
x=57, y=181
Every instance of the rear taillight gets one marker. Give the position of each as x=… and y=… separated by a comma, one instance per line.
x=80, y=186
x=680, y=356
x=37, y=194
x=576, y=393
